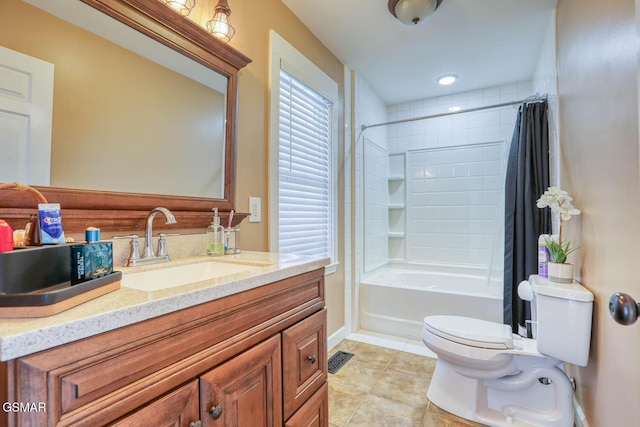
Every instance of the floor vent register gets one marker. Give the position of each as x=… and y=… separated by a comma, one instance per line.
x=338, y=360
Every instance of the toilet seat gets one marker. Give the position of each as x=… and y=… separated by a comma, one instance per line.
x=471, y=332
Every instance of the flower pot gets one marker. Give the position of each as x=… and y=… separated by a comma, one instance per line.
x=560, y=273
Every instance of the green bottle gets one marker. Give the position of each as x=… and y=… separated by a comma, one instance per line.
x=215, y=236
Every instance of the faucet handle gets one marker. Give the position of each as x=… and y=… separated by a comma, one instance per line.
x=134, y=253
x=162, y=244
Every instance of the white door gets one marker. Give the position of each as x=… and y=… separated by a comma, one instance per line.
x=26, y=106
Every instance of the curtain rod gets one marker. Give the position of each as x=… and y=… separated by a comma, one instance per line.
x=535, y=98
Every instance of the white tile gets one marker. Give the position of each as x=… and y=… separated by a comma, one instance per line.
x=459, y=184
x=476, y=169
x=509, y=89
x=460, y=170
x=445, y=139
x=492, y=133
x=490, y=92
x=491, y=117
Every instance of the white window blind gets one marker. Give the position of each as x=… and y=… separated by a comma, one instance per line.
x=305, y=199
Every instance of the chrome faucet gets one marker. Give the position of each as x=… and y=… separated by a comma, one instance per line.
x=149, y=253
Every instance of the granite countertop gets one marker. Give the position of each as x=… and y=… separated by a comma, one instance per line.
x=20, y=337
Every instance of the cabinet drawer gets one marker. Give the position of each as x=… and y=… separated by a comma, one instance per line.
x=314, y=413
x=178, y=408
x=304, y=360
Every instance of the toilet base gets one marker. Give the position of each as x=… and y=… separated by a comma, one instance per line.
x=514, y=400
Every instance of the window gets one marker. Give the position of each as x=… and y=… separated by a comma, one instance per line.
x=303, y=179
x=305, y=202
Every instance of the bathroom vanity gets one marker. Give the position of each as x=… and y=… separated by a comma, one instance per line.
x=247, y=348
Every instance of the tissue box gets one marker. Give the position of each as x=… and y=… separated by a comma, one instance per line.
x=90, y=261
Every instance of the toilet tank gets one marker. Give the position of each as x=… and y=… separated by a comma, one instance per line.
x=564, y=320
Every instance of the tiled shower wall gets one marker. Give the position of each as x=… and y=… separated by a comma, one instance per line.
x=448, y=241
x=468, y=128
x=376, y=201
x=454, y=207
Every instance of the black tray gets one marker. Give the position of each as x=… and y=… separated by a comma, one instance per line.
x=56, y=293
x=37, y=276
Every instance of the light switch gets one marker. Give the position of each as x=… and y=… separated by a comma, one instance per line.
x=254, y=209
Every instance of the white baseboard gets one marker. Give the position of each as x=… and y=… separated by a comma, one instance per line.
x=336, y=337
x=579, y=418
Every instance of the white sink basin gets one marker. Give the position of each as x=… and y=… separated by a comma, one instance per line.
x=163, y=278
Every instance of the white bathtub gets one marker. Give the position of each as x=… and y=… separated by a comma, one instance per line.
x=395, y=300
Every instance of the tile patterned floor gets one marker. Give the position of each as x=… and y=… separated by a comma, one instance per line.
x=384, y=387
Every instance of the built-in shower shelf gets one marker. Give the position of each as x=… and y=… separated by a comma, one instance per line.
x=396, y=206
x=396, y=234
x=396, y=178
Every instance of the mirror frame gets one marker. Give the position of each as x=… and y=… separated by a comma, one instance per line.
x=119, y=211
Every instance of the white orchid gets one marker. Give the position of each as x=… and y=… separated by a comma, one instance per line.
x=560, y=202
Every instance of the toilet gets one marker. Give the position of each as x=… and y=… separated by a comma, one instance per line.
x=487, y=374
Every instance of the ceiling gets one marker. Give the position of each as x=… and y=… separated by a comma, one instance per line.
x=485, y=42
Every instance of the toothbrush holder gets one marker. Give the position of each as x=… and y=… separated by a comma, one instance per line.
x=232, y=238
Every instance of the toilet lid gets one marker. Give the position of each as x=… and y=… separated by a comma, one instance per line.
x=471, y=332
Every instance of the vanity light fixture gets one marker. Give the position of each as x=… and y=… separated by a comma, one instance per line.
x=182, y=6
x=413, y=12
x=447, y=79
x=219, y=25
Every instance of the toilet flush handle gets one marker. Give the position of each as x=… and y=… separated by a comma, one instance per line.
x=524, y=291
x=623, y=308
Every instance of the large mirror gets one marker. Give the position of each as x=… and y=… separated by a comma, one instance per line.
x=128, y=134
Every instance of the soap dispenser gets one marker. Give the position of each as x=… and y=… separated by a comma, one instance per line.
x=215, y=236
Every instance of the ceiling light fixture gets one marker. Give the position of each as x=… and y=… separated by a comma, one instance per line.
x=219, y=25
x=412, y=12
x=182, y=6
x=447, y=79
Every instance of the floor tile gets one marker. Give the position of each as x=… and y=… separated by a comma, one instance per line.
x=403, y=388
x=379, y=411
x=344, y=345
x=373, y=355
x=343, y=404
x=357, y=376
x=413, y=364
x=385, y=387
x=435, y=415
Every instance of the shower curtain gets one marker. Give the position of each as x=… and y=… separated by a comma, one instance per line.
x=526, y=179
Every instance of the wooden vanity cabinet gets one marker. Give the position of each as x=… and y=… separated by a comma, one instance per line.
x=256, y=358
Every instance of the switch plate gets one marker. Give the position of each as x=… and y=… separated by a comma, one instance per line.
x=254, y=209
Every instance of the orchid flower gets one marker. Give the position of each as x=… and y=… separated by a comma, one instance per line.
x=559, y=202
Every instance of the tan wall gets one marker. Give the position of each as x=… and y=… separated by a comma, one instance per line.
x=597, y=84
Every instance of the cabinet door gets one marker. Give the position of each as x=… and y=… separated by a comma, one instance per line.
x=314, y=413
x=304, y=360
x=246, y=391
x=177, y=409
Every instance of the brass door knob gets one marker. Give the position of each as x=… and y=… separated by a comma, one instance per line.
x=311, y=359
